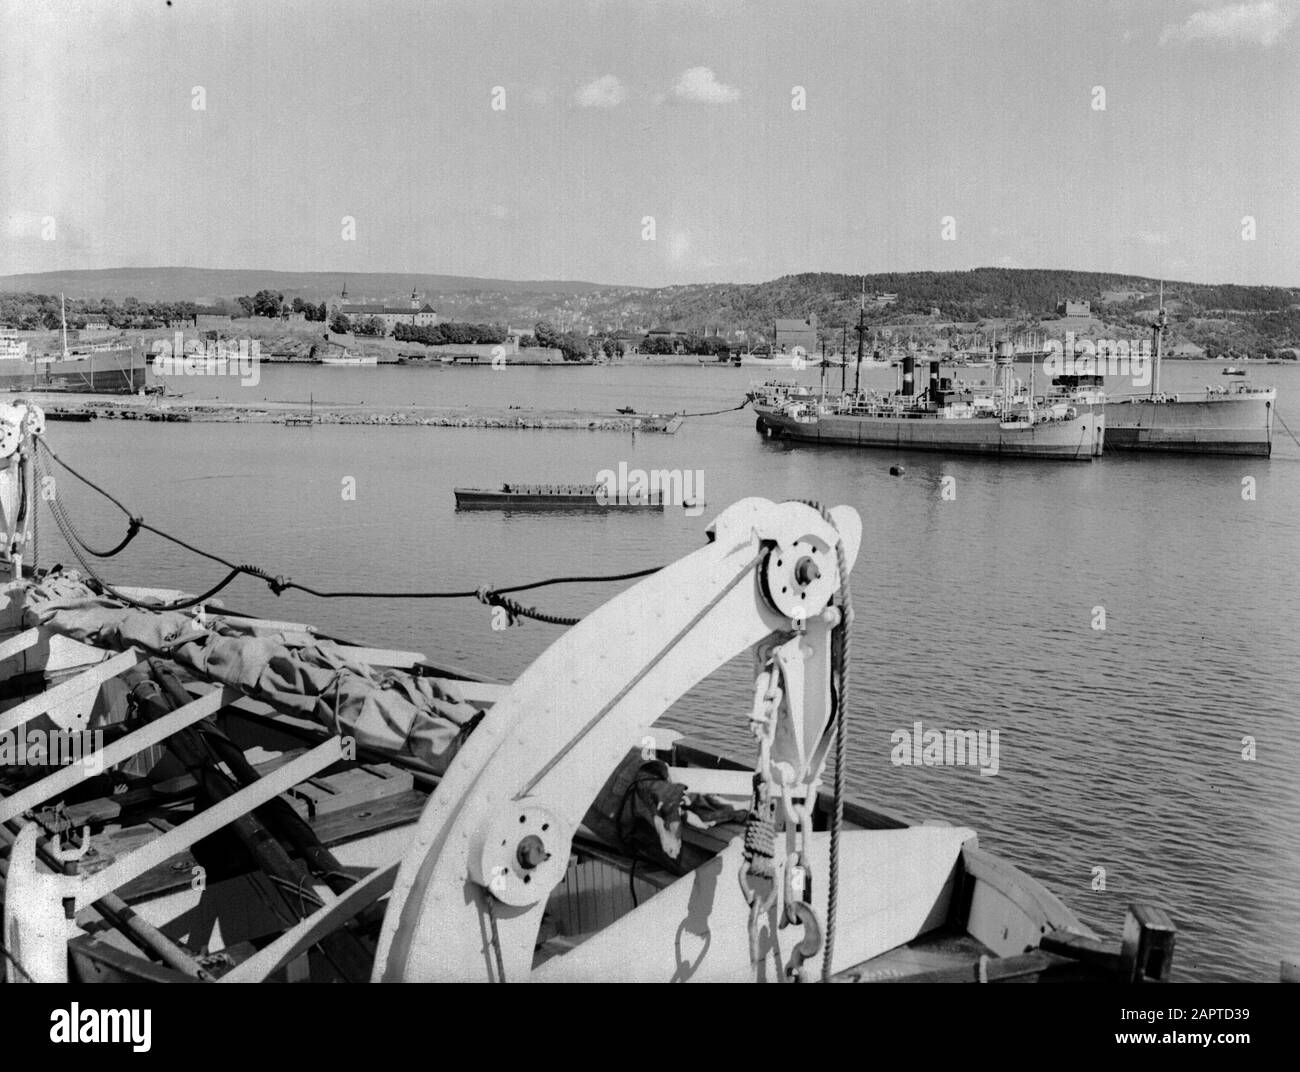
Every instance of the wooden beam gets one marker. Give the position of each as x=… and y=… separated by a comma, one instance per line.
x=475, y=692
x=383, y=656
x=309, y=931
x=19, y=643
x=718, y=783
x=117, y=752
x=1147, y=951
x=207, y=822
x=84, y=682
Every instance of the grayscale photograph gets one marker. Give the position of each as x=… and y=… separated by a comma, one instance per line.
x=653, y=491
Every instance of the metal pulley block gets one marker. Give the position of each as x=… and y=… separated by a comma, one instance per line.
x=522, y=854
x=800, y=578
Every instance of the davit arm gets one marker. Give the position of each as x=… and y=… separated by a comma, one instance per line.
x=494, y=839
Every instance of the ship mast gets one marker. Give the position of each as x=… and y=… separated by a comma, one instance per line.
x=63, y=315
x=862, y=316
x=1158, y=329
x=844, y=355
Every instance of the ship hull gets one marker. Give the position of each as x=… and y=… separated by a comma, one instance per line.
x=496, y=500
x=108, y=372
x=1078, y=439
x=1204, y=424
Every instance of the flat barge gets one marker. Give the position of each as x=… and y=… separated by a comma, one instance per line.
x=554, y=497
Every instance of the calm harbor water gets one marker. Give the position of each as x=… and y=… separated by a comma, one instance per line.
x=1119, y=749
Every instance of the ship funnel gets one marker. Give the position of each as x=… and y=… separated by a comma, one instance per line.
x=909, y=375
x=934, y=381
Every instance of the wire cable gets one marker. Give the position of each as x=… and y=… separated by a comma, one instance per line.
x=279, y=583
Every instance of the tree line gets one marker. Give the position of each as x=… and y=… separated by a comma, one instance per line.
x=450, y=333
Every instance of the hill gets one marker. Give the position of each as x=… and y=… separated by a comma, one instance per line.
x=1222, y=318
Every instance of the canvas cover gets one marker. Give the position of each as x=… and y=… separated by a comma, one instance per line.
x=382, y=708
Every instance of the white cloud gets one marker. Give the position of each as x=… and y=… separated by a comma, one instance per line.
x=701, y=85
x=605, y=92
x=1260, y=22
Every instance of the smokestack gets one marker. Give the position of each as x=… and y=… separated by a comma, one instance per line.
x=909, y=375
x=934, y=382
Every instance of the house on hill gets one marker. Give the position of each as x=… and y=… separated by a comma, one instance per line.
x=417, y=314
x=1074, y=307
x=629, y=340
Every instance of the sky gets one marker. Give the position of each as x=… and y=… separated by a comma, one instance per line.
x=653, y=142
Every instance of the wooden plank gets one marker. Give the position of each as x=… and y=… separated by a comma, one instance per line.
x=383, y=656
x=1026, y=894
x=717, y=783
x=309, y=931
x=475, y=692
x=207, y=822
x=68, y=690
x=16, y=645
x=263, y=625
x=132, y=744
x=359, y=785
x=697, y=928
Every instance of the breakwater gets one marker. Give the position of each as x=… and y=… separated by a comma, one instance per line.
x=298, y=414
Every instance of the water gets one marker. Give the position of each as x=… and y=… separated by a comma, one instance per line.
x=1118, y=749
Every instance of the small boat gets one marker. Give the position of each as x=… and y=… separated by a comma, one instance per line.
x=627, y=410
x=350, y=360
x=367, y=814
x=70, y=415
x=555, y=497
x=1232, y=370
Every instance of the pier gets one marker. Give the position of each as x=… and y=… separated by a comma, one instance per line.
x=310, y=414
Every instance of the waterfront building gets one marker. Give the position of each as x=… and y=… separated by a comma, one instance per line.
x=418, y=313
x=792, y=333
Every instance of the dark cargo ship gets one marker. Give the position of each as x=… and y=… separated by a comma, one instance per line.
x=102, y=368
x=944, y=416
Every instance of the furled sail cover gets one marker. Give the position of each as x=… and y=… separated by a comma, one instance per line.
x=384, y=709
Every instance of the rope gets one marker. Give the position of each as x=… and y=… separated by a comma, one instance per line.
x=36, y=521
x=1284, y=425
x=515, y=609
x=714, y=412
x=841, y=735
x=760, y=839
x=840, y=663
x=280, y=584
